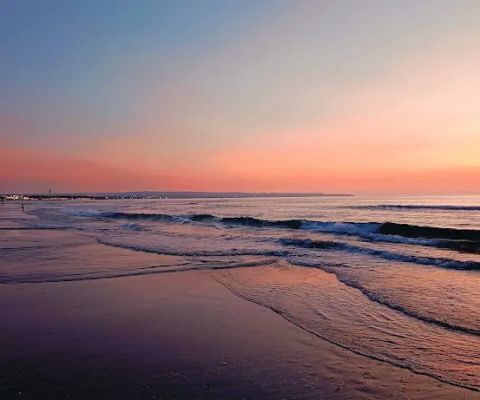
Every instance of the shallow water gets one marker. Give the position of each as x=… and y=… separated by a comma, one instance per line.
x=397, y=279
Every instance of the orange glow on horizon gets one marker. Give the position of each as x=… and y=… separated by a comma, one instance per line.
x=80, y=175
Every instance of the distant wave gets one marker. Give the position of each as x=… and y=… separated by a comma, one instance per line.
x=249, y=221
x=390, y=228
x=123, y=215
x=417, y=207
x=467, y=240
x=340, y=246
x=141, y=216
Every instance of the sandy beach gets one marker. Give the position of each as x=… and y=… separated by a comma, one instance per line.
x=180, y=335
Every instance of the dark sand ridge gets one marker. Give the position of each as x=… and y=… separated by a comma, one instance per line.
x=180, y=335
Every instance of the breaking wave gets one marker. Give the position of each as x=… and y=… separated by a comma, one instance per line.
x=465, y=240
x=340, y=246
x=149, y=270
x=414, y=231
x=195, y=253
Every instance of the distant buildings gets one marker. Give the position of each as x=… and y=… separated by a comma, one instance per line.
x=15, y=197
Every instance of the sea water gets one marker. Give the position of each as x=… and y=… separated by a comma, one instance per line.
x=392, y=278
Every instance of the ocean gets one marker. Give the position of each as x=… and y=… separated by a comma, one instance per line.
x=395, y=279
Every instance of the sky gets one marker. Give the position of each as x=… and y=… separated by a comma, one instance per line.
x=364, y=97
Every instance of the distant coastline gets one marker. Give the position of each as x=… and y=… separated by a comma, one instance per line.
x=161, y=195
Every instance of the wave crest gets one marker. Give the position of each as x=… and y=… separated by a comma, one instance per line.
x=388, y=255
x=467, y=240
x=418, y=207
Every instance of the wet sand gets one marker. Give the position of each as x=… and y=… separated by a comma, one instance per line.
x=177, y=336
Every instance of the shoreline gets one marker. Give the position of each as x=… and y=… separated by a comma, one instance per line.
x=185, y=336
x=355, y=352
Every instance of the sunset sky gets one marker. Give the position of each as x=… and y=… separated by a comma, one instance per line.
x=367, y=97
